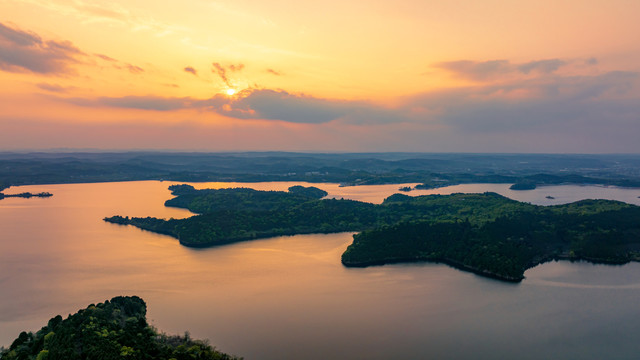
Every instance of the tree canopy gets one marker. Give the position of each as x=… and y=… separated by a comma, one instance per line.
x=116, y=329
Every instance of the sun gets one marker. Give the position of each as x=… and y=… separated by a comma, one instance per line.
x=230, y=91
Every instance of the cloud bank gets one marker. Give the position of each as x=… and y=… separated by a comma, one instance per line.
x=508, y=106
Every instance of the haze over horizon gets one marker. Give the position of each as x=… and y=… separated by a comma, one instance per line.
x=409, y=76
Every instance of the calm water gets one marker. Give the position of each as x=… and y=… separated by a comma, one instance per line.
x=290, y=297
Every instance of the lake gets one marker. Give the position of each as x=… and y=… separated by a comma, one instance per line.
x=290, y=297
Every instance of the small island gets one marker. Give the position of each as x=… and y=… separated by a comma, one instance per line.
x=487, y=234
x=523, y=185
x=26, y=195
x=115, y=329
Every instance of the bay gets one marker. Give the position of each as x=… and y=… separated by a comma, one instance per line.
x=289, y=297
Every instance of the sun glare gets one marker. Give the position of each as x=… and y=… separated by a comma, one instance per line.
x=230, y=91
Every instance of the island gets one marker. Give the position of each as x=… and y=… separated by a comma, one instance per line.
x=523, y=185
x=26, y=195
x=487, y=234
x=114, y=329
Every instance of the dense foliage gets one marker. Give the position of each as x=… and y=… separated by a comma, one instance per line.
x=502, y=241
x=485, y=233
x=210, y=200
x=225, y=226
x=115, y=329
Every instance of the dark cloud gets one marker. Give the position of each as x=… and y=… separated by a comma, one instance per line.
x=191, y=70
x=22, y=51
x=280, y=105
x=273, y=72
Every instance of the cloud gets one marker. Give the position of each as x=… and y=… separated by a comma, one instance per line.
x=155, y=103
x=23, y=51
x=546, y=107
x=191, y=70
x=18, y=37
x=281, y=105
x=106, y=58
x=120, y=65
x=476, y=70
x=543, y=66
x=53, y=88
x=222, y=71
x=515, y=106
x=498, y=69
x=559, y=104
x=134, y=69
x=273, y=72
x=591, y=61
x=263, y=104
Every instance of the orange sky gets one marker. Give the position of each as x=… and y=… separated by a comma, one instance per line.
x=487, y=76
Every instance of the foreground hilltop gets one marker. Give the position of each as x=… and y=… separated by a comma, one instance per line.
x=484, y=233
x=115, y=329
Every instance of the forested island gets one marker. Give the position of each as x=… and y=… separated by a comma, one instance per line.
x=115, y=329
x=484, y=233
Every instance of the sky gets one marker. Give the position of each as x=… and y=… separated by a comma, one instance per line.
x=524, y=76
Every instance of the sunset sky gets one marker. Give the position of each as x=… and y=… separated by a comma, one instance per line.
x=404, y=75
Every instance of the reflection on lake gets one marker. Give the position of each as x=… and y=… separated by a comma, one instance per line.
x=290, y=297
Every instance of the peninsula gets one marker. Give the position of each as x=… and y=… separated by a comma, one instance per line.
x=487, y=234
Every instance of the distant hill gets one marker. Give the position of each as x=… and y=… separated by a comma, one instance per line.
x=429, y=169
